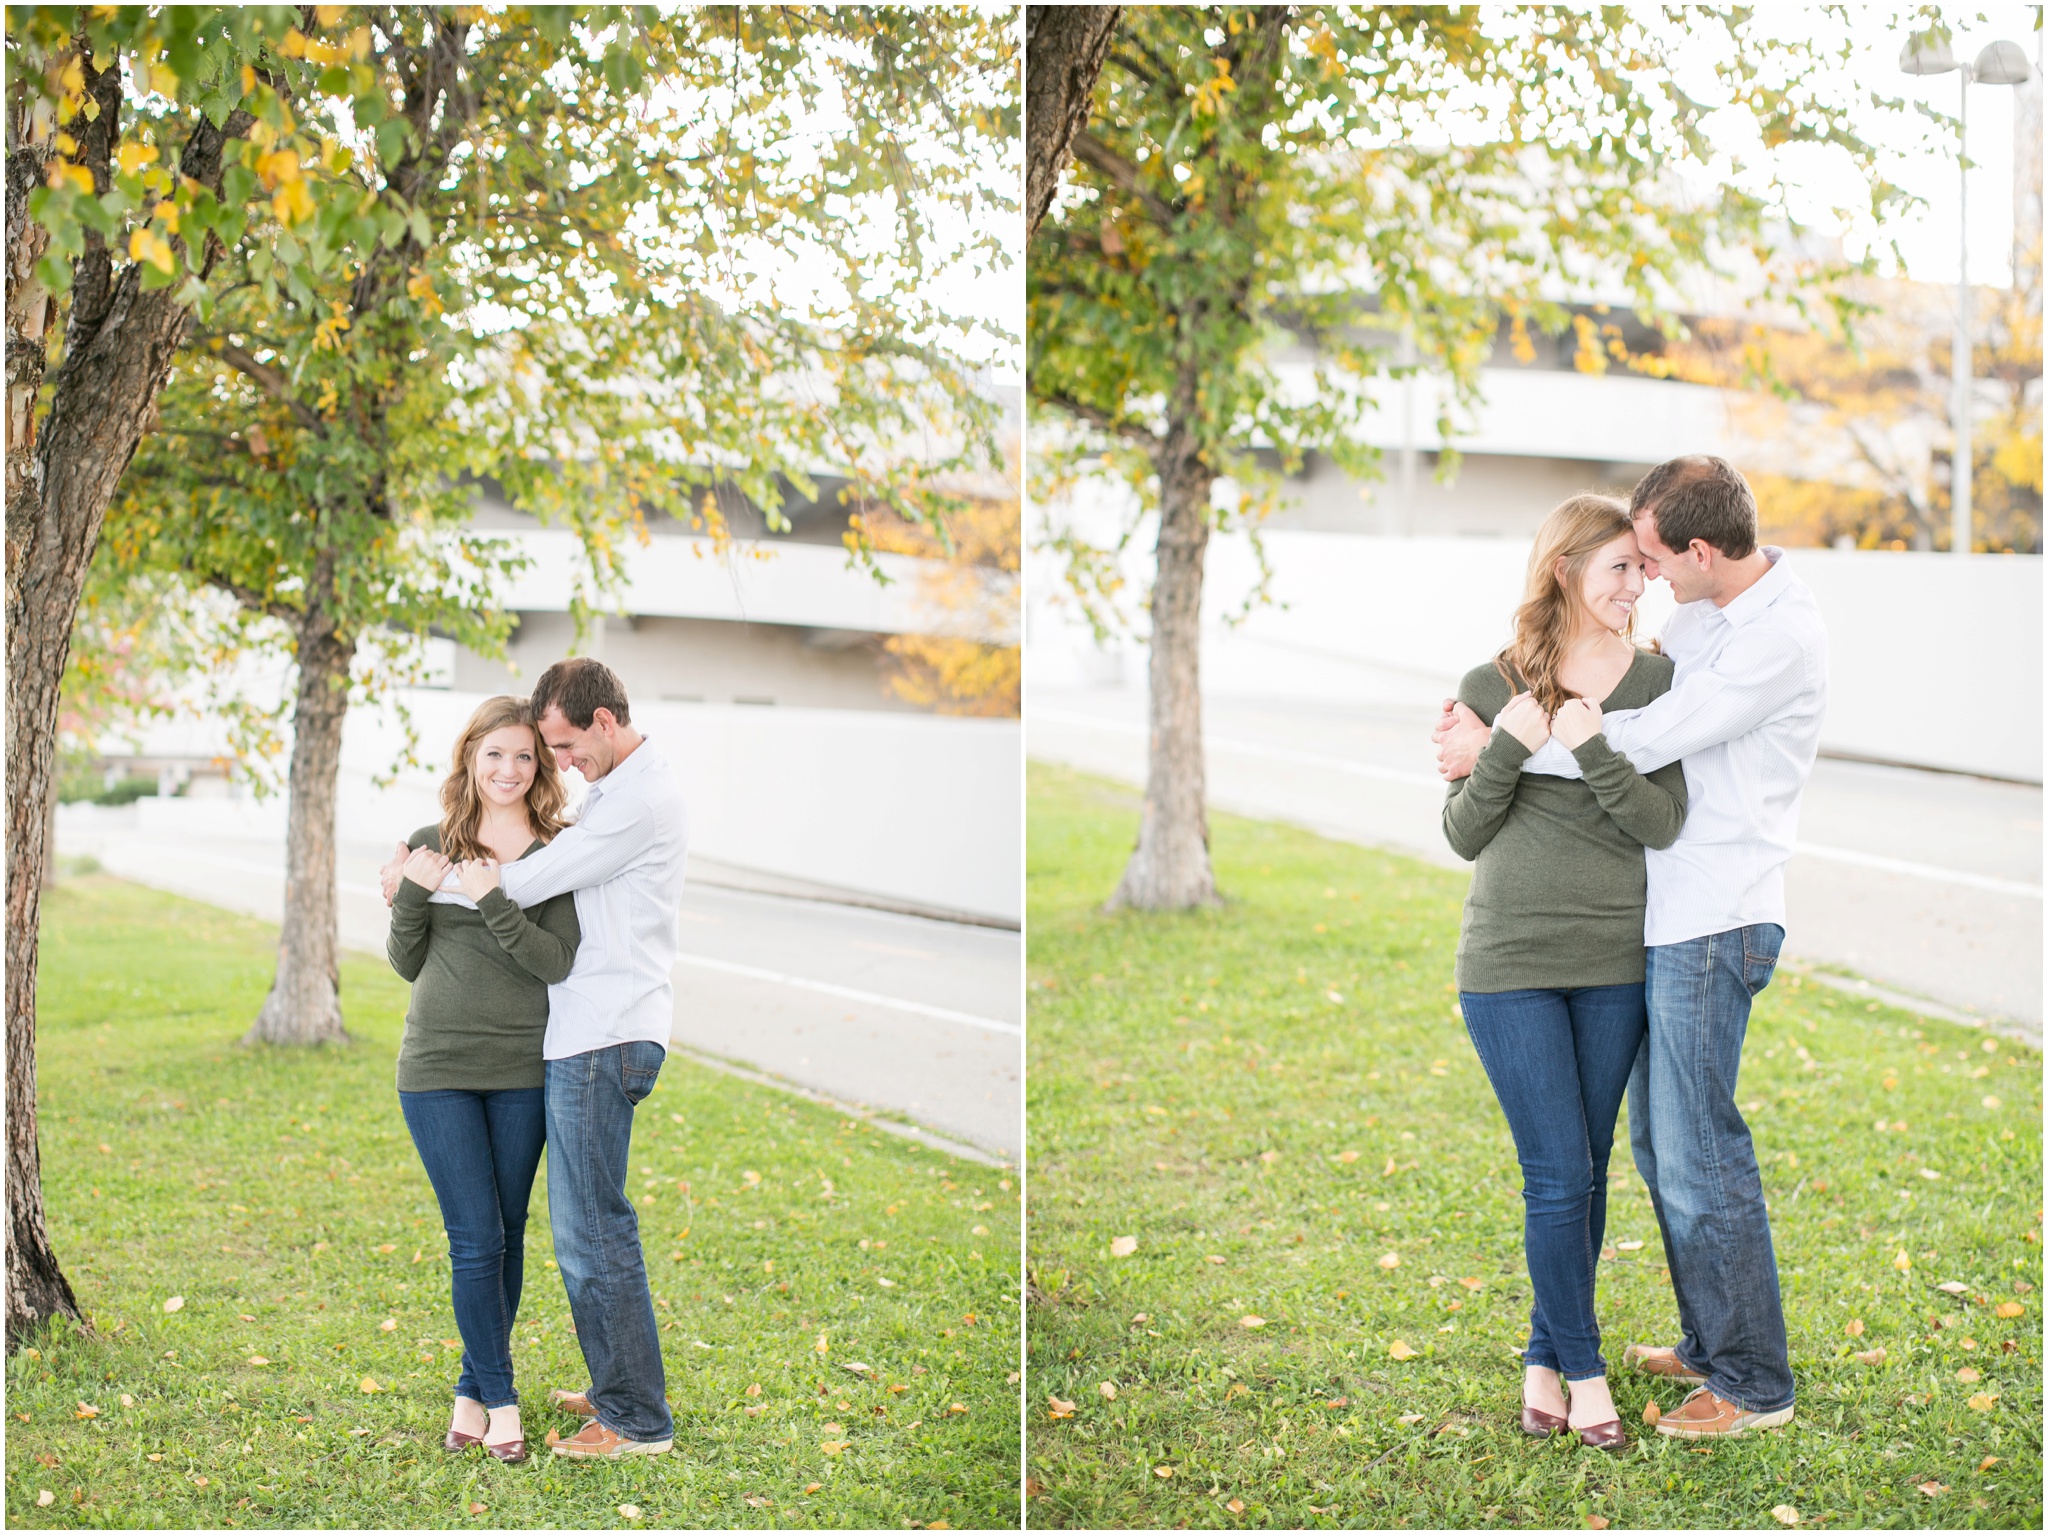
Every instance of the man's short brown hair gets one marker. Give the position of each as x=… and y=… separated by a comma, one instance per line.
x=1698, y=496
x=579, y=687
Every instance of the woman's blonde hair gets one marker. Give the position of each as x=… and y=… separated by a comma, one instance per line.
x=462, y=806
x=1548, y=619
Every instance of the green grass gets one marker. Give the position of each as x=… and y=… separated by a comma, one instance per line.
x=278, y=1193
x=1283, y=1085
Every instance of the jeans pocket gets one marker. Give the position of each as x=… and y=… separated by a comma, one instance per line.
x=639, y=1068
x=1760, y=946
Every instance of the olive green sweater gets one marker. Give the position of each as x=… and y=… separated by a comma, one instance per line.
x=479, y=984
x=1557, y=895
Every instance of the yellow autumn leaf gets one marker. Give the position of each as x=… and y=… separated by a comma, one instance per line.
x=1162, y=1472
x=1235, y=1505
x=1653, y=1414
x=1855, y=1327
x=478, y=1508
x=1902, y=1263
x=834, y=1446
x=1933, y=1489
x=1059, y=1408
x=1123, y=1247
x=1873, y=1356
x=1390, y=1261
x=1471, y=1284
x=387, y=1247
x=292, y=203
x=2009, y=1308
x=258, y=1360
x=1399, y=1350
x=1983, y=1401
x=1967, y=1375
x=1251, y=1321
x=629, y=1511
x=389, y=1324
x=367, y=1385
x=1108, y=1390
x=1785, y=1513
x=175, y=1303
x=132, y=157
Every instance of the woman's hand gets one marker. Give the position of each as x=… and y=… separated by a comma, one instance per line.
x=1576, y=723
x=1524, y=719
x=478, y=877
x=426, y=868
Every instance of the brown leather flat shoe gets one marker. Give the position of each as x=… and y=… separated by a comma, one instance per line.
x=454, y=1441
x=1538, y=1424
x=512, y=1452
x=1608, y=1436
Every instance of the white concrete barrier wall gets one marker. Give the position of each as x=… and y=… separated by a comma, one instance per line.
x=917, y=808
x=1934, y=661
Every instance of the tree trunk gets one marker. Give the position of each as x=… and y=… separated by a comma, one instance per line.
x=304, y=1005
x=1064, y=46
x=1169, y=870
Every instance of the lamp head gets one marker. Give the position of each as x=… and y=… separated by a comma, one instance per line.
x=1927, y=53
x=2001, y=63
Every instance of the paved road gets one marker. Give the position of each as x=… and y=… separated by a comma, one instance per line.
x=1928, y=883
x=908, y=1017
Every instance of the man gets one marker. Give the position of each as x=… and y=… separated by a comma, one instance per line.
x=608, y=1031
x=1743, y=715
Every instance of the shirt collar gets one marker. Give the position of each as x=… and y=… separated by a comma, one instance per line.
x=625, y=771
x=1768, y=588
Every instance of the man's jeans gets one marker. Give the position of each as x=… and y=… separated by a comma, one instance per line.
x=1559, y=1062
x=1693, y=1150
x=597, y=1235
x=481, y=1152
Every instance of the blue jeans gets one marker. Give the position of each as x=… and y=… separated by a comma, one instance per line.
x=481, y=1151
x=1693, y=1150
x=591, y=1098
x=1559, y=1061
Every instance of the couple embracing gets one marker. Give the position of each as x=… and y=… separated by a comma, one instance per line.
x=1630, y=814
x=539, y=954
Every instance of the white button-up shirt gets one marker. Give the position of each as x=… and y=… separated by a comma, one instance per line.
x=1748, y=692
x=624, y=860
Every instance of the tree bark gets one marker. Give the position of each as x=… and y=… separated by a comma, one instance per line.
x=1064, y=46
x=304, y=1005
x=1169, y=869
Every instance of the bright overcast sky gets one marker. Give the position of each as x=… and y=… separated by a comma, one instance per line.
x=1927, y=238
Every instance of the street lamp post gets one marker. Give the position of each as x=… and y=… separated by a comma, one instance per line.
x=1998, y=63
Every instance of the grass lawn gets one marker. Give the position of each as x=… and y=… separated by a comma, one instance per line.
x=1318, y=1323
x=839, y=1307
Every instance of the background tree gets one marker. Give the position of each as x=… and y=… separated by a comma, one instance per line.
x=1344, y=183
x=608, y=257
x=1064, y=48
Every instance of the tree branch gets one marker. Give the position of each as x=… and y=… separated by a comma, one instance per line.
x=1100, y=419
x=1093, y=152
x=269, y=379
x=252, y=599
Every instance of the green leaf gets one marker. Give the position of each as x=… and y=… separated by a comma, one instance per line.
x=391, y=137
x=237, y=185
x=55, y=274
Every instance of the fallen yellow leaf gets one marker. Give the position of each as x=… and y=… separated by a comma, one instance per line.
x=258, y=1360
x=1785, y=1513
x=1162, y=1471
x=1966, y=1375
x=1399, y=1350
x=834, y=1446
x=1471, y=1284
x=1855, y=1327
x=1123, y=1247
x=1342, y=1156
x=1596, y=1521
x=479, y=1508
x=1653, y=1414
x=1871, y=1356
x=367, y=1385
x=1988, y=1462
x=1059, y=1408
x=1235, y=1505
x=389, y=1324
x=388, y=1247
x=1983, y=1401
x=1902, y=1263
x=1933, y=1489
x=175, y=1303
x=1390, y=1261
x=87, y=1410
x=629, y=1511
x=1251, y=1321
x=812, y=1487
x=2009, y=1308
x=1108, y=1390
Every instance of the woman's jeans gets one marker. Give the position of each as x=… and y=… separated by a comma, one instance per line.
x=481, y=1151
x=1559, y=1061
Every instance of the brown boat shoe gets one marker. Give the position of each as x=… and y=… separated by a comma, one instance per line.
x=572, y=1401
x=1664, y=1363
x=1704, y=1415
x=594, y=1441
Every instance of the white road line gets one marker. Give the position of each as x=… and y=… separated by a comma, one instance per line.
x=1249, y=749
x=1919, y=870
x=851, y=994
x=1396, y=775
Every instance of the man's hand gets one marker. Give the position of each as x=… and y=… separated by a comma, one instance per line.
x=391, y=873
x=1576, y=723
x=1460, y=737
x=478, y=877
x=425, y=868
x=1524, y=719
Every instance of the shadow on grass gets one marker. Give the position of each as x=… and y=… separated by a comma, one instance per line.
x=1276, y=1228
x=261, y=1256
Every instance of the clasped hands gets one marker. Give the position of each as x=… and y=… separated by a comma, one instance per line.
x=1461, y=735
x=426, y=868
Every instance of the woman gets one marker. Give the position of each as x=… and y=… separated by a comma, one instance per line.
x=1550, y=959
x=469, y=1070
